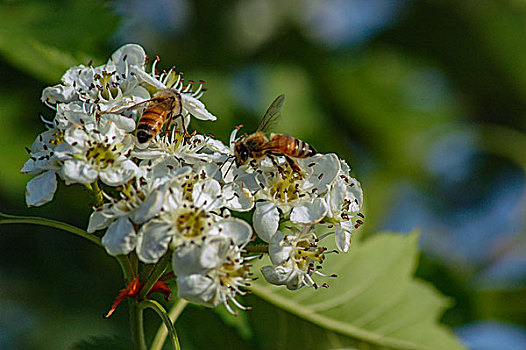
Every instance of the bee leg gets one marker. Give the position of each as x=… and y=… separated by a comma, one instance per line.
x=254, y=164
x=167, y=124
x=280, y=169
x=185, y=132
x=295, y=167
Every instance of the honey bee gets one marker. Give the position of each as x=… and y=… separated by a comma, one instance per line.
x=165, y=105
x=256, y=146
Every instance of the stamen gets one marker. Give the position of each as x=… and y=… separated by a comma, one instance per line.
x=154, y=64
x=189, y=86
x=199, y=88
x=179, y=83
x=46, y=102
x=239, y=305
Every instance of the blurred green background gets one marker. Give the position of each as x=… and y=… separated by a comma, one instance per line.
x=424, y=99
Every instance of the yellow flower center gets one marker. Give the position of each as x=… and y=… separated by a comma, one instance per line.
x=101, y=155
x=285, y=188
x=192, y=222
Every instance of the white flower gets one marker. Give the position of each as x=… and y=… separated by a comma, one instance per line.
x=41, y=189
x=101, y=152
x=197, y=149
x=344, y=200
x=108, y=86
x=78, y=113
x=211, y=273
x=140, y=202
x=189, y=214
x=295, y=259
x=42, y=152
x=297, y=196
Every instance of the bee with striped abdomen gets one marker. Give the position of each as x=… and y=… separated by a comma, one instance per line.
x=165, y=105
x=256, y=146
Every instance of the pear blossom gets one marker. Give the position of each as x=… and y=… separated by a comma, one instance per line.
x=105, y=87
x=190, y=213
x=41, y=189
x=289, y=194
x=295, y=257
x=101, y=152
x=344, y=200
x=212, y=272
x=180, y=197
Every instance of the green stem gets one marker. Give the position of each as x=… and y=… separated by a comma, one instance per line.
x=137, y=326
x=257, y=248
x=12, y=219
x=126, y=267
x=96, y=194
x=154, y=276
x=176, y=309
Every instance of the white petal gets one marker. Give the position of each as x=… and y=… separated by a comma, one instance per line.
x=213, y=251
x=237, y=197
x=337, y=195
x=77, y=171
x=280, y=275
x=108, y=131
x=216, y=145
x=59, y=93
x=343, y=239
x=142, y=76
x=206, y=195
x=324, y=171
x=41, y=189
x=236, y=229
x=233, y=138
x=279, y=251
x=186, y=260
x=72, y=74
x=149, y=208
x=77, y=136
x=355, y=195
x=266, y=220
x=129, y=54
x=125, y=123
x=119, y=174
x=30, y=167
x=153, y=240
x=309, y=213
x=120, y=238
x=196, y=108
x=100, y=219
x=197, y=289
x=163, y=169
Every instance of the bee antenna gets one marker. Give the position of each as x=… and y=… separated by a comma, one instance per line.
x=231, y=163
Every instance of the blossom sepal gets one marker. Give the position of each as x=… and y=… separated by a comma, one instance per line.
x=133, y=290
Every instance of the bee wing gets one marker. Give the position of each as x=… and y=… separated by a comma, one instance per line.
x=272, y=114
x=118, y=109
x=140, y=104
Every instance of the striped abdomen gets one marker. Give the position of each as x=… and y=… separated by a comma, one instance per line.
x=150, y=124
x=165, y=104
x=290, y=146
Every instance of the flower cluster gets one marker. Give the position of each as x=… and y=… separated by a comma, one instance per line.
x=179, y=195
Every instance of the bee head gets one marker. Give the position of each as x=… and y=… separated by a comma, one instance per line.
x=241, y=153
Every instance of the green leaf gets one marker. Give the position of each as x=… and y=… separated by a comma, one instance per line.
x=374, y=303
x=104, y=343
